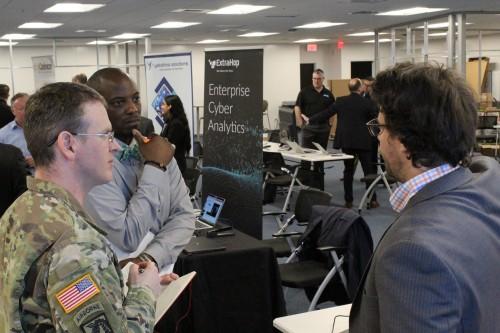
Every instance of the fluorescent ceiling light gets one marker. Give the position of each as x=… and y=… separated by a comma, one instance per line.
x=39, y=25
x=73, y=7
x=238, y=10
x=17, y=36
x=7, y=43
x=439, y=25
x=174, y=25
x=258, y=34
x=412, y=11
x=310, y=40
x=366, y=34
x=435, y=34
x=91, y=30
x=318, y=25
x=129, y=35
x=212, y=41
x=101, y=42
x=382, y=40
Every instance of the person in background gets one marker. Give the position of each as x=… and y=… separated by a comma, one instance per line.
x=58, y=273
x=13, y=132
x=6, y=115
x=79, y=78
x=13, y=172
x=311, y=100
x=436, y=268
x=176, y=128
x=352, y=136
x=147, y=196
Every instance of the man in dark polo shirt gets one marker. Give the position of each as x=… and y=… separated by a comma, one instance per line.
x=311, y=100
x=6, y=115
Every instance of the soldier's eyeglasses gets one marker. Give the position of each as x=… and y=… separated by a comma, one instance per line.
x=110, y=136
x=375, y=128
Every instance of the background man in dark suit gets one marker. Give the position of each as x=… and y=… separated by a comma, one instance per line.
x=6, y=115
x=13, y=172
x=436, y=268
x=352, y=135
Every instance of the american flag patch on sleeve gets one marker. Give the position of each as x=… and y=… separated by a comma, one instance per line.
x=77, y=293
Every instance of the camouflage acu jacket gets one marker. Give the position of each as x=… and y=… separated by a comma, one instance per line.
x=57, y=272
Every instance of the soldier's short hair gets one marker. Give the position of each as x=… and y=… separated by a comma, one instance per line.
x=55, y=108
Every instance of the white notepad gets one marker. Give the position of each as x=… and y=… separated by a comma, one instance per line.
x=168, y=295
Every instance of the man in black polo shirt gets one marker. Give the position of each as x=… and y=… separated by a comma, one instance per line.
x=6, y=115
x=311, y=100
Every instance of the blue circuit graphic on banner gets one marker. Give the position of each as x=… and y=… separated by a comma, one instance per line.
x=164, y=88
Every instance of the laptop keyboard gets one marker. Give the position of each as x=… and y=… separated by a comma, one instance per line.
x=199, y=225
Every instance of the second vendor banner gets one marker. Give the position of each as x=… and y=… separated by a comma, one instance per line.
x=232, y=135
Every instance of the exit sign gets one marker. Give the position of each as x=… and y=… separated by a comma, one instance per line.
x=312, y=47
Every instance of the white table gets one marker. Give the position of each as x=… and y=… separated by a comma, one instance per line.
x=312, y=156
x=319, y=321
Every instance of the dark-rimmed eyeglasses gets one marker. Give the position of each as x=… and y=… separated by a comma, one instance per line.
x=110, y=136
x=374, y=127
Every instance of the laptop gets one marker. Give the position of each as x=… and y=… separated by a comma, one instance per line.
x=298, y=149
x=210, y=212
x=320, y=148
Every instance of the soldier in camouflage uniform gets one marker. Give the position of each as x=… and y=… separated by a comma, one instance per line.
x=57, y=271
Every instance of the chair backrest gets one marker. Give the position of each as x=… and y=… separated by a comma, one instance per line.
x=306, y=199
x=273, y=160
x=340, y=227
x=191, y=179
x=485, y=122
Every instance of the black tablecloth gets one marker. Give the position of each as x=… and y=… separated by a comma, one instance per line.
x=236, y=290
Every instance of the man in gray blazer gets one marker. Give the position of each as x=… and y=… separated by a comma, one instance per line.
x=436, y=268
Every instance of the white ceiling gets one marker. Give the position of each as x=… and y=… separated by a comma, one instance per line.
x=119, y=16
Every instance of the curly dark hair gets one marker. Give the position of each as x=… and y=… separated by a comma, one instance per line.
x=431, y=110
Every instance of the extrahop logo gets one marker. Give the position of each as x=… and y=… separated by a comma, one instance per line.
x=224, y=63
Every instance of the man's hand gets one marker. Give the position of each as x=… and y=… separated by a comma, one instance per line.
x=155, y=148
x=167, y=278
x=29, y=160
x=145, y=274
x=306, y=119
x=298, y=117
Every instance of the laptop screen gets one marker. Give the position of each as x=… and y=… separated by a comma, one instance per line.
x=212, y=209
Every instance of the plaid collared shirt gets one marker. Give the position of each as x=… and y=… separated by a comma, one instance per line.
x=406, y=191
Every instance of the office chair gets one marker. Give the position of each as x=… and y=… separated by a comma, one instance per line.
x=191, y=176
x=332, y=255
x=283, y=241
x=276, y=173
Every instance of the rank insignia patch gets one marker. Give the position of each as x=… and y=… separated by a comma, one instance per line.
x=77, y=293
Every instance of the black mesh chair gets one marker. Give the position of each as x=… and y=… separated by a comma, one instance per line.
x=331, y=256
x=283, y=241
x=191, y=176
x=485, y=131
